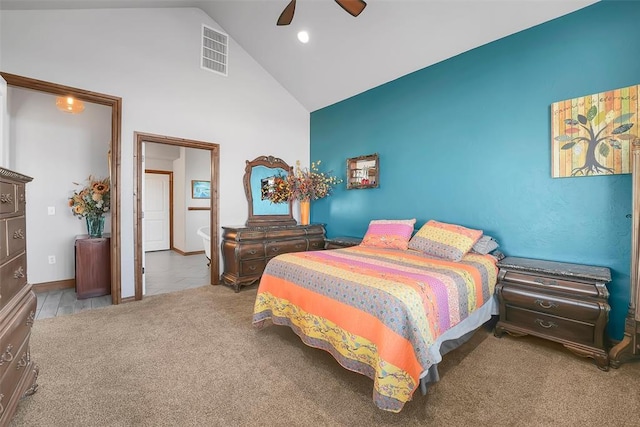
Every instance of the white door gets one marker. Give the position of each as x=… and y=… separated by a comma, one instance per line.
x=156, y=212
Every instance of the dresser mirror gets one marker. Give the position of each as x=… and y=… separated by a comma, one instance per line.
x=258, y=178
x=363, y=172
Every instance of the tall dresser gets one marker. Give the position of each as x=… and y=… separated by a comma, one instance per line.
x=18, y=373
x=246, y=250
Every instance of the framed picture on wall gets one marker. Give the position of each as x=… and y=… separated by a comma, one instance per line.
x=200, y=189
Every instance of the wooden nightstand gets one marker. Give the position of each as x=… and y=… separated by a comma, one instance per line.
x=93, y=266
x=561, y=302
x=341, y=242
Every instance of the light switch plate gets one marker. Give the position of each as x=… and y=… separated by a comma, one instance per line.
x=51, y=210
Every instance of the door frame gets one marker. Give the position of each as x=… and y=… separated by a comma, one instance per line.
x=214, y=149
x=170, y=173
x=115, y=158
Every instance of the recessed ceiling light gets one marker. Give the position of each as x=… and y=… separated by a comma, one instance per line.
x=303, y=36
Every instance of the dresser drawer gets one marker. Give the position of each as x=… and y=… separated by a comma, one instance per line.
x=13, y=277
x=9, y=383
x=551, y=304
x=252, y=267
x=250, y=251
x=7, y=198
x=16, y=235
x=551, y=283
x=16, y=331
x=552, y=326
x=285, y=246
x=20, y=198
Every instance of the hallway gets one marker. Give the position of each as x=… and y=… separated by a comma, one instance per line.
x=165, y=271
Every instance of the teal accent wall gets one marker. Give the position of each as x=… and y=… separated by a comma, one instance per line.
x=467, y=141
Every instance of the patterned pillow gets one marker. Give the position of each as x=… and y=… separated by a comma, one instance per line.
x=385, y=233
x=448, y=241
x=485, y=245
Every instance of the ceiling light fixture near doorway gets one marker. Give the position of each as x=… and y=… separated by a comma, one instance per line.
x=303, y=36
x=68, y=104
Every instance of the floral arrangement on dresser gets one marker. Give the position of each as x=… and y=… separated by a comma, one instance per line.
x=304, y=184
x=92, y=200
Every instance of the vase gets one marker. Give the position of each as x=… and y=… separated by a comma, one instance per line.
x=95, y=225
x=304, y=212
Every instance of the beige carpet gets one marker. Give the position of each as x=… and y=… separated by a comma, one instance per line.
x=192, y=358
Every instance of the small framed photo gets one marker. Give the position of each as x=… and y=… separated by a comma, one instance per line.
x=200, y=189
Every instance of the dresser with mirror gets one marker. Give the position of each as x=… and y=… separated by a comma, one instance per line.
x=270, y=229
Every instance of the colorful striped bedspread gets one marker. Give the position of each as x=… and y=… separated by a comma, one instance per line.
x=377, y=311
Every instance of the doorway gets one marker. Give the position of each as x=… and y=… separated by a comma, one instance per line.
x=114, y=158
x=139, y=174
x=158, y=209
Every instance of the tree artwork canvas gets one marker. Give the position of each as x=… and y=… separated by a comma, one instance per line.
x=593, y=134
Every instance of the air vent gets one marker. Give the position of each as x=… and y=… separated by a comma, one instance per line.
x=215, y=50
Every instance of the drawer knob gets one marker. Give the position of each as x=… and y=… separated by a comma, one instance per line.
x=6, y=356
x=298, y=246
x=6, y=198
x=275, y=249
x=24, y=360
x=253, y=252
x=30, y=319
x=546, y=305
x=18, y=234
x=546, y=325
x=252, y=267
x=19, y=273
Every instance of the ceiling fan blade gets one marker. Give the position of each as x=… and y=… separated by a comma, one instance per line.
x=287, y=14
x=354, y=7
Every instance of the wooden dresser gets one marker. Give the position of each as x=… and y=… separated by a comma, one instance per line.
x=93, y=266
x=562, y=302
x=18, y=373
x=246, y=250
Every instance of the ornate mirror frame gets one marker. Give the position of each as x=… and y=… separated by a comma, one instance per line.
x=264, y=212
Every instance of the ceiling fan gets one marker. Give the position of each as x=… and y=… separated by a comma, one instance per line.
x=354, y=7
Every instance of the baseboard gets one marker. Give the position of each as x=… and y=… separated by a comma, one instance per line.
x=187, y=253
x=54, y=286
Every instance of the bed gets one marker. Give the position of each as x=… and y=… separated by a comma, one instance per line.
x=389, y=314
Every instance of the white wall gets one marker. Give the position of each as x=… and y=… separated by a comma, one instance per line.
x=198, y=164
x=179, y=200
x=56, y=149
x=150, y=58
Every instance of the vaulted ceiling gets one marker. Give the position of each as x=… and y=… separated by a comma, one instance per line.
x=348, y=55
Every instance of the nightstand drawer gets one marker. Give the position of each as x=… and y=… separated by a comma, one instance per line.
x=551, y=304
x=553, y=326
x=551, y=283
